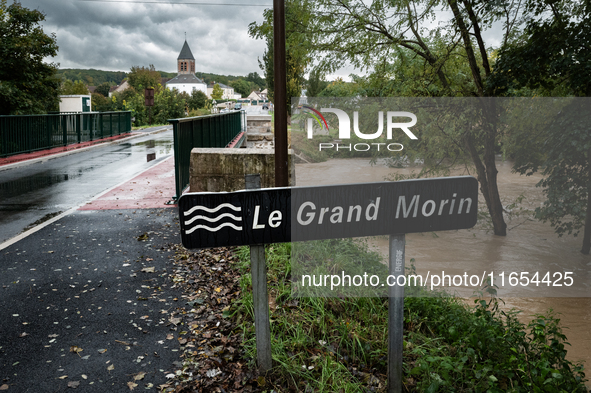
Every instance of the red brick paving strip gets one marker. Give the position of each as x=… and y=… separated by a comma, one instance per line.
x=151, y=189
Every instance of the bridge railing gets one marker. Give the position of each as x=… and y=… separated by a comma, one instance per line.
x=28, y=133
x=217, y=130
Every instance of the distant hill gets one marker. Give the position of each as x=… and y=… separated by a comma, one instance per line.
x=92, y=77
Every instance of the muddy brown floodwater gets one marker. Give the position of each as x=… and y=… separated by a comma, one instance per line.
x=529, y=246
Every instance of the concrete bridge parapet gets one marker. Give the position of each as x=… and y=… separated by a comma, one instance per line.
x=218, y=170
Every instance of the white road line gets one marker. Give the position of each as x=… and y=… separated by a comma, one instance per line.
x=29, y=232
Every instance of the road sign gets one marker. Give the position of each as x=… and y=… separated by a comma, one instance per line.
x=280, y=215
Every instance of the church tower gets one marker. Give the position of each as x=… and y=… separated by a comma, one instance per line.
x=186, y=61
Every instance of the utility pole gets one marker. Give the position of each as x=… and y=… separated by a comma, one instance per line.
x=280, y=78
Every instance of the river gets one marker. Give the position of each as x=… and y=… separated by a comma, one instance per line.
x=529, y=246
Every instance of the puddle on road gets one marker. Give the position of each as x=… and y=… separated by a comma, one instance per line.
x=529, y=245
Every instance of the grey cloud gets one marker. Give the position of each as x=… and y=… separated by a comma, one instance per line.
x=116, y=36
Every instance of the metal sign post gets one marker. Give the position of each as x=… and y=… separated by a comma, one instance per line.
x=395, y=314
x=258, y=269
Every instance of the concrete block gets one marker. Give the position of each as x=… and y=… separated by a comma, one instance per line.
x=217, y=170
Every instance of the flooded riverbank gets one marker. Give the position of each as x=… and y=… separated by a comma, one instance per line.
x=530, y=246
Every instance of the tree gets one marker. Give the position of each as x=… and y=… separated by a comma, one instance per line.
x=241, y=86
x=315, y=84
x=339, y=88
x=141, y=78
x=553, y=54
x=100, y=103
x=73, y=88
x=297, y=16
x=103, y=89
x=217, y=92
x=197, y=100
x=255, y=78
x=374, y=35
x=27, y=84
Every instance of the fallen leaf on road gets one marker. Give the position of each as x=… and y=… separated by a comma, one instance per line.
x=213, y=373
x=169, y=336
x=63, y=377
x=148, y=269
x=102, y=350
x=111, y=367
x=143, y=236
x=73, y=384
x=175, y=321
x=131, y=385
x=23, y=334
x=75, y=349
x=139, y=376
x=84, y=376
x=4, y=387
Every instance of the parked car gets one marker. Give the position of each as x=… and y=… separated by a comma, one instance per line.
x=237, y=106
x=266, y=106
x=225, y=110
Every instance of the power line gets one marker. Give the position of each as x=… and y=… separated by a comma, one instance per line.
x=179, y=3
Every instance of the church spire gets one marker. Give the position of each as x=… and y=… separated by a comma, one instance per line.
x=186, y=61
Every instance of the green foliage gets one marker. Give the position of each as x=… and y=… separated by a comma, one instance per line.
x=100, y=103
x=340, y=88
x=92, y=76
x=197, y=100
x=315, y=84
x=27, y=84
x=553, y=51
x=340, y=344
x=242, y=87
x=217, y=92
x=103, y=89
x=297, y=17
x=74, y=88
x=141, y=78
x=256, y=79
x=561, y=149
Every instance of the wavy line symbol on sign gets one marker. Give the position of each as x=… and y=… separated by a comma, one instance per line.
x=214, y=219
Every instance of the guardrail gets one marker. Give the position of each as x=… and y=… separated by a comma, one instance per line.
x=28, y=133
x=218, y=130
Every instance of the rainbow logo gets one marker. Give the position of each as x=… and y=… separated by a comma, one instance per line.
x=316, y=115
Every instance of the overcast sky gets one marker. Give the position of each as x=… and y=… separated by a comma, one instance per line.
x=115, y=36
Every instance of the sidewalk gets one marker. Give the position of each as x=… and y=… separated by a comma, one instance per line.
x=87, y=300
x=61, y=149
x=25, y=158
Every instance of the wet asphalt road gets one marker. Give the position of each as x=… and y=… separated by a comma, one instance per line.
x=36, y=192
x=87, y=305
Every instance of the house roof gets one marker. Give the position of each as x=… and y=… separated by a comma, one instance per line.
x=184, y=78
x=254, y=96
x=212, y=84
x=185, y=53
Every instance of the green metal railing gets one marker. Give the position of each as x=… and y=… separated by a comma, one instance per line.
x=25, y=134
x=218, y=130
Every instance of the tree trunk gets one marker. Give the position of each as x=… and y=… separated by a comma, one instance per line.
x=587, y=234
x=489, y=112
x=487, y=177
